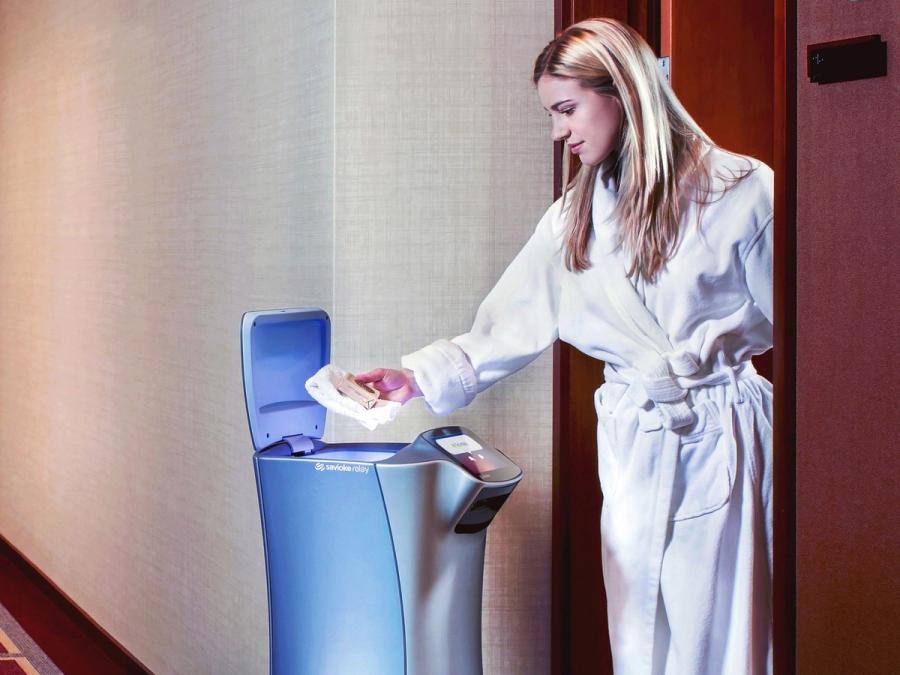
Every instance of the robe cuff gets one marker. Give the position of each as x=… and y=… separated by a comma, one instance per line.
x=444, y=376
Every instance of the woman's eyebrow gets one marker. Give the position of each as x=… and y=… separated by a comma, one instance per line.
x=556, y=105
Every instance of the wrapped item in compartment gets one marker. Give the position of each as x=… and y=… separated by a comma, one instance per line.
x=363, y=394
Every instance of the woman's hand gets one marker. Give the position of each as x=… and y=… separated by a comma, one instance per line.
x=394, y=385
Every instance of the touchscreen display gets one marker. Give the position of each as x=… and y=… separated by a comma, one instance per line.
x=457, y=445
x=472, y=454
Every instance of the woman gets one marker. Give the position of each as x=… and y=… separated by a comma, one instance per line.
x=656, y=260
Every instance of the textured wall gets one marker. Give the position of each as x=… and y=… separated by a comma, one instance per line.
x=847, y=324
x=443, y=168
x=166, y=167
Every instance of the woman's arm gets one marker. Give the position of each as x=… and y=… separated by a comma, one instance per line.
x=758, y=269
x=514, y=324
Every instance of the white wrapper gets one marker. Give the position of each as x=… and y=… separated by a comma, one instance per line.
x=321, y=387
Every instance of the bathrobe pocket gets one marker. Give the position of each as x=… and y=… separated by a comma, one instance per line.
x=704, y=474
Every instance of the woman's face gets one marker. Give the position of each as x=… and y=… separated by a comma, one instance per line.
x=590, y=123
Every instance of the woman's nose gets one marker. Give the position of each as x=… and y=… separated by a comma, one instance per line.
x=559, y=130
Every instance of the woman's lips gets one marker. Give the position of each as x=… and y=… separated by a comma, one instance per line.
x=575, y=148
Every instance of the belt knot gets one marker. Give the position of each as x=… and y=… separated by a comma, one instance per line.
x=657, y=383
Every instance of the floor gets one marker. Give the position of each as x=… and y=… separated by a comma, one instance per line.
x=49, y=620
x=19, y=655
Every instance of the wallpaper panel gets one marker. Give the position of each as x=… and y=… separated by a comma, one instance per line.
x=443, y=168
x=847, y=498
x=165, y=167
x=169, y=166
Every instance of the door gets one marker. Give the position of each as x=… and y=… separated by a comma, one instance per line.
x=728, y=49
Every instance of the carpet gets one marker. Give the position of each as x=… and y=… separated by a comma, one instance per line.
x=19, y=655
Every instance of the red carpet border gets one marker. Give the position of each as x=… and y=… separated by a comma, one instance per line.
x=18, y=653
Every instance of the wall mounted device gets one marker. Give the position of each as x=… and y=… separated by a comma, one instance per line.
x=844, y=60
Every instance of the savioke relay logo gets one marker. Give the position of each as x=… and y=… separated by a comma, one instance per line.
x=342, y=468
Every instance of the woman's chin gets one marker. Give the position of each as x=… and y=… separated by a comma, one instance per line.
x=591, y=159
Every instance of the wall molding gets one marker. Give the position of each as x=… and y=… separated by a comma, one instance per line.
x=63, y=630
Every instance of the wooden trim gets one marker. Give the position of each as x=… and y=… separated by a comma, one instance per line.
x=784, y=591
x=559, y=652
x=64, y=631
x=559, y=555
x=665, y=29
x=579, y=631
x=645, y=16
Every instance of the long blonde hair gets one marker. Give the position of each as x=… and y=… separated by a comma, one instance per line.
x=660, y=148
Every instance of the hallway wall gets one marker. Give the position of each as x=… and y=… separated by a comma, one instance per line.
x=166, y=167
x=847, y=322
x=443, y=166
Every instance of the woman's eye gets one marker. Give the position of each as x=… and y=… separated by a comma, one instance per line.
x=567, y=111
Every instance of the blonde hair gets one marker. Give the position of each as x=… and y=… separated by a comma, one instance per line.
x=659, y=155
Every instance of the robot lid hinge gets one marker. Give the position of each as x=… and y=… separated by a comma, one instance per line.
x=300, y=445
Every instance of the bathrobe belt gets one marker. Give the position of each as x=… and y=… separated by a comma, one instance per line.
x=661, y=382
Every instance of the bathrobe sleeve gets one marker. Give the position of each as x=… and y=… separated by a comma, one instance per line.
x=514, y=324
x=758, y=268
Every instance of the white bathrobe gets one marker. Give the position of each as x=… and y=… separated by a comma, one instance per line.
x=684, y=421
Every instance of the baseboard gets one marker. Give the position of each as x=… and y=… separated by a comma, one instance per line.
x=64, y=631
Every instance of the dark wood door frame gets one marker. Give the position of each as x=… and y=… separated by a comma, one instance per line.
x=578, y=607
x=784, y=600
